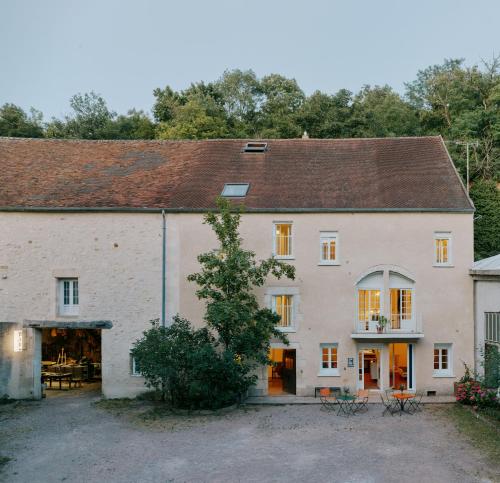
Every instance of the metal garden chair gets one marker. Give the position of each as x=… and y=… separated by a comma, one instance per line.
x=415, y=404
x=361, y=402
x=391, y=405
x=327, y=399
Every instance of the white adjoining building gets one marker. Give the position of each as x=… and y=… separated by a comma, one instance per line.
x=486, y=275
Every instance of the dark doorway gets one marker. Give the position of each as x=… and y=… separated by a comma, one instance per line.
x=289, y=372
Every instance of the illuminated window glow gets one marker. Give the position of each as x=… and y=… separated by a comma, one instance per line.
x=18, y=341
x=328, y=248
x=368, y=306
x=442, y=248
x=283, y=306
x=283, y=239
x=401, y=306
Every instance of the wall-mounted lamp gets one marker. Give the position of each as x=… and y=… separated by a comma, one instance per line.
x=18, y=341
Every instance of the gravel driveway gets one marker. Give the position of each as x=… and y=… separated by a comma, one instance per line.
x=71, y=439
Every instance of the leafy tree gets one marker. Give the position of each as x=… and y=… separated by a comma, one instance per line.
x=486, y=197
x=282, y=99
x=16, y=123
x=381, y=112
x=90, y=119
x=197, y=119
x=227, y=282
x=462, y=103
x=240, y=95
x=133, y=125
x=326, y=116
x=214, y=365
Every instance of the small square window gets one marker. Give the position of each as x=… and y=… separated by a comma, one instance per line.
x=329, y=360
x=442, y=249
x=68, y=296
x=442, y=360
x=235, y=190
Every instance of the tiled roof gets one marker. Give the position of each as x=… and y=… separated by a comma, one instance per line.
x=294, y=174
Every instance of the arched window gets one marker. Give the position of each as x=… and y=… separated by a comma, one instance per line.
x=370, y=290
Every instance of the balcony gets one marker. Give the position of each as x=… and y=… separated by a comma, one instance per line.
x=396, y=328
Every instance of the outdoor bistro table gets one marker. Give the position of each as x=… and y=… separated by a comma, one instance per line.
x=57, y=376
x=346, y=404
x=403, y=398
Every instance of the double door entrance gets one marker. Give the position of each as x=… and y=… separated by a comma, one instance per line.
x=384, y=366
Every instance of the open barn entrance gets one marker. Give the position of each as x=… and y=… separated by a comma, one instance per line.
x=71, y=360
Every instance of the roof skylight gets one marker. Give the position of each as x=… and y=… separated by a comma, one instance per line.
x=235, y=190
x=255, y=147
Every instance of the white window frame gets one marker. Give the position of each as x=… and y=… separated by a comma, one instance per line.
x=69, y=309
x=291, y=326
x=443, y=235
x=440, y=372
x=328, y=236
x=492, y=327
x=402, y=321
x=133, y=369
x=330, y=371
x=291, y=241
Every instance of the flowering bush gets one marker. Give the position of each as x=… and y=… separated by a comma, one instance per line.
x=472, y=393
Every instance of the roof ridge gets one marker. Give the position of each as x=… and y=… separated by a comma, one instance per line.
x=166, y=141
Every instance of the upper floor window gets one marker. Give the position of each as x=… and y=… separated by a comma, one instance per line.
x=442, y=248
x=368, y=306
x=283, y=306
x=282, y=236
x=328, y=359
x=68, y=296
x=442, y=360
x=401, y=306
x=328, y=242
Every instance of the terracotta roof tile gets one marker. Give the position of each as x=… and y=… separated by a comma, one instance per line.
x=294, y=174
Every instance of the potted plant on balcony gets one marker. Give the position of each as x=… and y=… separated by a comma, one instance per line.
x=382, y=323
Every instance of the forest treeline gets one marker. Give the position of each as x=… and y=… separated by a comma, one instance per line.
x=459, y=102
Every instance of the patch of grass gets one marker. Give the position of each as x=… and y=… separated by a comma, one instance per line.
x=483, y=435
x=4, y=460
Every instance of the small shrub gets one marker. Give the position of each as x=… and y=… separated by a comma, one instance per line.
x=474, y=394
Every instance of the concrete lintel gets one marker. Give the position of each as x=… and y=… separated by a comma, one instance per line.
x=72, y=324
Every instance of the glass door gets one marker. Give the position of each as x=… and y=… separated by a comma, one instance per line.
x=401, y=366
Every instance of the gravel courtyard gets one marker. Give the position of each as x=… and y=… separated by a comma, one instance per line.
x=70, y=438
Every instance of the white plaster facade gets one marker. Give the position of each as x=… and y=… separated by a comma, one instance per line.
x=117, y=258
x=486, y=275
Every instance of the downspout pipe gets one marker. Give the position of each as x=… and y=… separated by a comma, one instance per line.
x=163, y=268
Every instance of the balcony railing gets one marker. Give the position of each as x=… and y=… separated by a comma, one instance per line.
x=396, y=325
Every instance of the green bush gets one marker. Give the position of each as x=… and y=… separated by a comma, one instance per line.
x=187, y=367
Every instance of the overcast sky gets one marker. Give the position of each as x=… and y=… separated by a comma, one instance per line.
x=123, y=49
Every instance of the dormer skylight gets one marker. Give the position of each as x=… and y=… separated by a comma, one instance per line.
x=255, y=147
x=235, y=190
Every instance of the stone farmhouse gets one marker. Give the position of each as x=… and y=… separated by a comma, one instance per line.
x=379, y=230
